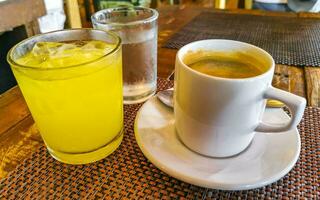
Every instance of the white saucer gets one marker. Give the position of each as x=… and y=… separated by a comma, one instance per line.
x=269, y=157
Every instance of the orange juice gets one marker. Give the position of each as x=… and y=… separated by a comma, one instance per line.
x=74, y=93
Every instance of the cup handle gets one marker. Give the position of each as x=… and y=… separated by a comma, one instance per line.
x=296, y=105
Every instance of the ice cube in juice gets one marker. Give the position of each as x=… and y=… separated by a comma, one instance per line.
x=74, y=93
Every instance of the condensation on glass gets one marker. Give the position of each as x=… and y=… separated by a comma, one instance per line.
x=137, y=27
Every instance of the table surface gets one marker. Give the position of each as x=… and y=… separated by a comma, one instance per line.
x=19, y=137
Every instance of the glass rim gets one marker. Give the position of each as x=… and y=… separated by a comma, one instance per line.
x=13, y=63
x=150, y=19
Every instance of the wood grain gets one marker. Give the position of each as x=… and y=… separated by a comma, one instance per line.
x=13, y=109
x=290, y=78
x=281, y=77
x=312, y=75
x=18, y=143
x=308, y=15
x=73, y=13
x=171, y=20
x=14, y=13
x=18, y=138
x=32, y=28
x=296, y=81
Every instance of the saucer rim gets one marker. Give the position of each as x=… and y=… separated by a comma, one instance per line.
x=175, y=173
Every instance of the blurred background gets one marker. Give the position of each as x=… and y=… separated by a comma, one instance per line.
x=20, y=19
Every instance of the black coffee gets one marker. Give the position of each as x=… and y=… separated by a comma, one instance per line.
x=220, y=65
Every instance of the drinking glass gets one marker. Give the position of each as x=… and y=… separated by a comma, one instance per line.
x=77, y=108
x=137, y=27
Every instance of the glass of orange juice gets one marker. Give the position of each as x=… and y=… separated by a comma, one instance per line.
x=72, y=83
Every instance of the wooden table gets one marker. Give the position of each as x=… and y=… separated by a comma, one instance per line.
x=19, y=137
x=301, y=81
x=18, y=20
x=14, y=13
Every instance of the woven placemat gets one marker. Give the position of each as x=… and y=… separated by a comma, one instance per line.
x=127, y=174
x=290, y=40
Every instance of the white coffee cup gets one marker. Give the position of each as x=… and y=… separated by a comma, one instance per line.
x=217, y=116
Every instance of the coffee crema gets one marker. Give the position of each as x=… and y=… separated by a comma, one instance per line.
x=234, y=65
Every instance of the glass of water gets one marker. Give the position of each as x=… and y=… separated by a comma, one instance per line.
x=137, y=27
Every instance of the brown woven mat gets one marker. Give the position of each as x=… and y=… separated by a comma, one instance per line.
x=290, y=40
x=127, y=174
